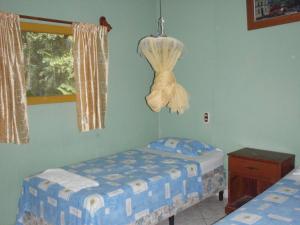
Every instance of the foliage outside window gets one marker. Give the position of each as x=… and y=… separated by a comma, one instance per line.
x=49, y=63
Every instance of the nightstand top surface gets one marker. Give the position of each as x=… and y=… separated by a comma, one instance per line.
x=261, y=155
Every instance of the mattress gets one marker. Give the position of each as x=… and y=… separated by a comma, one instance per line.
x=135, y=187
x=208, y=161
x=278, y=205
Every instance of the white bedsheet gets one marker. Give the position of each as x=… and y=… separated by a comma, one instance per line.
x=67, y=179
x=208, y=161
x=294, y=175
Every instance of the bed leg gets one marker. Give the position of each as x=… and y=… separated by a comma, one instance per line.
x=221, y=195
x=172, y=220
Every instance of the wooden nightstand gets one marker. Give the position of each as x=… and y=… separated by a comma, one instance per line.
x=251, y=171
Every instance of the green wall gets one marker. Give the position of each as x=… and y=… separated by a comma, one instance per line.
x=55, y=139
x=249, y=81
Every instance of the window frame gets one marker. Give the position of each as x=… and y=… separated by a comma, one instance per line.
x=51, y=29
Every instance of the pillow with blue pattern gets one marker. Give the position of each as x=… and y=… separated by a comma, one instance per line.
x=181, y=145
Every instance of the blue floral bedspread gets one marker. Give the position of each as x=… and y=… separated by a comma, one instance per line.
x=279, y=205
x=132, y=185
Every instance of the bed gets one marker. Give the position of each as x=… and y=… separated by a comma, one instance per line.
x=278, y=205
x=141, y=186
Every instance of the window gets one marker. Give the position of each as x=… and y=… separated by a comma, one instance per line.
x=49, y=63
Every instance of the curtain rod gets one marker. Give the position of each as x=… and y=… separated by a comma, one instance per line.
x=102, y=20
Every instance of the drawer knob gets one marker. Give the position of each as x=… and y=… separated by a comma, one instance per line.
x=251, y=168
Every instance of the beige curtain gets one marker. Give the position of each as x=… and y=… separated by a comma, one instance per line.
x=91, y=70
x=13, y=108
x=163, y=53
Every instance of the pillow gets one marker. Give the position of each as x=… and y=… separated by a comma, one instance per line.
x=181, y=145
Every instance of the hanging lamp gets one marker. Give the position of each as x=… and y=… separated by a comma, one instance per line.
x=162, y=52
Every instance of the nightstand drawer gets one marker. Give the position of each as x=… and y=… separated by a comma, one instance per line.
x=253, y=168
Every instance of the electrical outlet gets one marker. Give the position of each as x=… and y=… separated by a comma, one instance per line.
x=206, y=118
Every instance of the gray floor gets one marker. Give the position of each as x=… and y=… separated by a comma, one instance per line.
x=205, y=213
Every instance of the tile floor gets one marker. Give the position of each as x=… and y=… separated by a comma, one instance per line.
x=205, y=213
